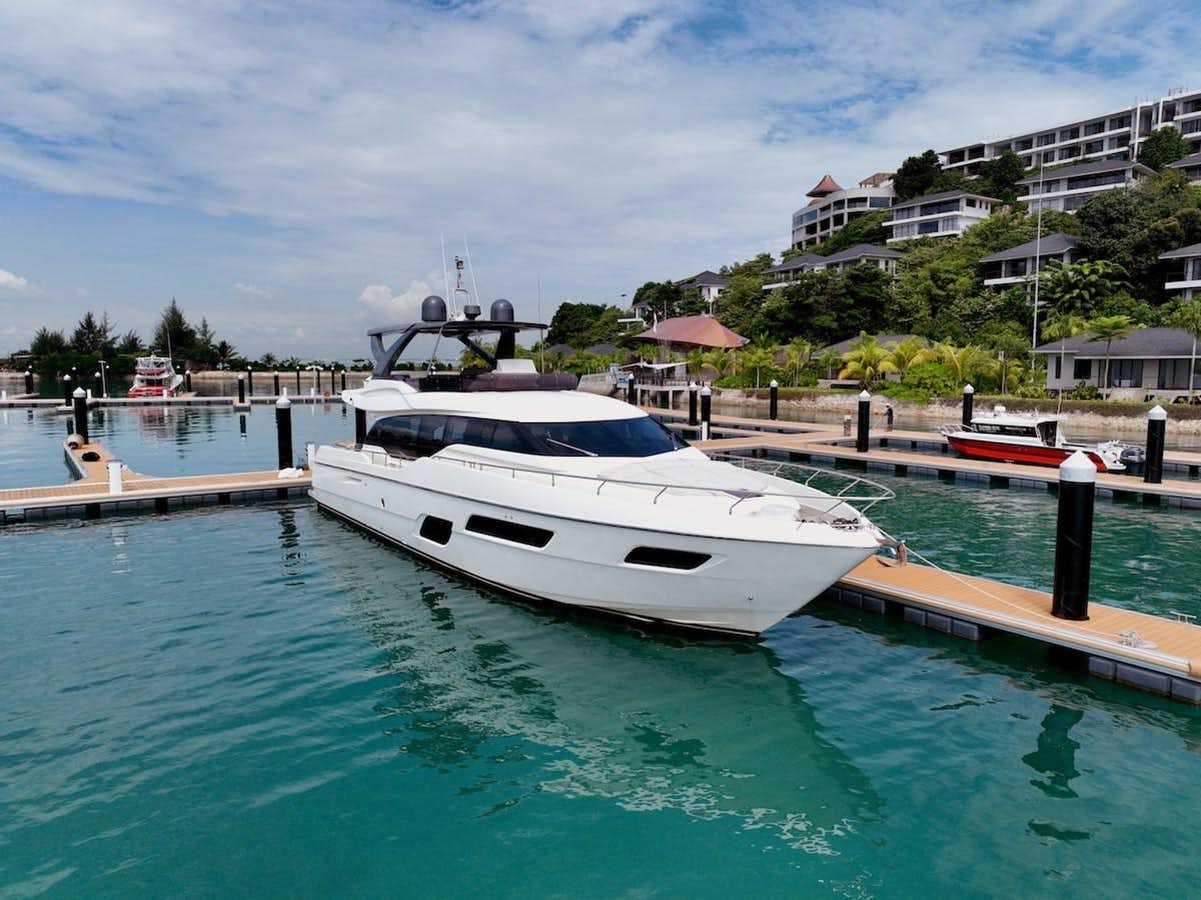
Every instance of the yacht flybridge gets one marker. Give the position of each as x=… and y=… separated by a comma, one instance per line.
x=517, y=480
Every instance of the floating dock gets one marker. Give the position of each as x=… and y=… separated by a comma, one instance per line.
x=90, y=494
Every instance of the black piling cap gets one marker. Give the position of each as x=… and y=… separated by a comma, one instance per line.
x=433, y=309
x=501, y=311
x=471, y=311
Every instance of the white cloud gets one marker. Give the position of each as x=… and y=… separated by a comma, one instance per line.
x=251, y=290
x=11, y=282
x=379, y=297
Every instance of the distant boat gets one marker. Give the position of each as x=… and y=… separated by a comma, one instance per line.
x=154, y=376
x=1035, y=439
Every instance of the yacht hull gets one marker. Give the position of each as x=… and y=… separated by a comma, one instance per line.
x=743, y=586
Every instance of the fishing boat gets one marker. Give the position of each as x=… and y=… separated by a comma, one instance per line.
x=1029, y=438
x=517, y=480
x=155, y=376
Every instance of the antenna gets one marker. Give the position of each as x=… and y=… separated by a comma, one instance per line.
x=475, y=288
x=541, y=331
x=446, y=278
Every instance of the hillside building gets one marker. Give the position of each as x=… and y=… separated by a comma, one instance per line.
x=1066, y=189
x=1017, y=265
x=1184, y=273
x=831, y=207
x=948, y=214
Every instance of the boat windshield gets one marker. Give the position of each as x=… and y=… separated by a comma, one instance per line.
x=422, y=435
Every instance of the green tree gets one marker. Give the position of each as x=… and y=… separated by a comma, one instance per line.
x=130, y=344
x=1006, y=369
x=92, y=336
x=1162, y=146
x=47, y=343
x=1188, y=317
x=1082, y=287
x=758, y=357
x=1109, y=329
x=866, y=362
x=581, y=324
x=910, y=352
x=796, y=355
x=999, y=177
x=173, y=334
x=962, y=362
x=916, y=175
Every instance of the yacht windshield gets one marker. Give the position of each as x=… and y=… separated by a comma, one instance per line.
x=422, y=435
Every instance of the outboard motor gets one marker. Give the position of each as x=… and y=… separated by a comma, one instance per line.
x=1134, y=459
x=433, y=309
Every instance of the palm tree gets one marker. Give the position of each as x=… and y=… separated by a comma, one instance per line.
x=1188, y=317
x=757, y=357
x=695, y=361
x=1060, y=328
x=1081, y=287
x=963, y=362
x=1004, y=368
x=866, y=361
x=909, y=352
x=1110, y=329
x=796, y=355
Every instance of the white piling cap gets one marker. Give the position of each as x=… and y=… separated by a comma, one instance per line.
x=692, y=385
x=706, y=391
x=1157, y=413
x=1078, y=468
x=283, y=402
x=775, y=383
x=78, y=393
x=968, y=389
x=864, y=395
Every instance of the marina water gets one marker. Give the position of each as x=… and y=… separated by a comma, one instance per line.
x=261, y=699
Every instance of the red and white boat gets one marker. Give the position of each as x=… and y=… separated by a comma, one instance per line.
x=154, y=376
x=1035, y=439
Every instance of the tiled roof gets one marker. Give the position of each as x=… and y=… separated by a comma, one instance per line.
x=1187, y=163
x=944, y=195
x=826, y=186
x=704, y=279
x=1051, y=245
x=1143, y=343
x=806, y=261
x=1182, y=252
x=1089, y=168
x=861, y=251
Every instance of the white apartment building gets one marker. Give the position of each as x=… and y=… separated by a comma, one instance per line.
x=832, y=207
x=1018, y=264
x=1185, y=271
x=1114, y=135
x=938, y=215
x=1067, y=188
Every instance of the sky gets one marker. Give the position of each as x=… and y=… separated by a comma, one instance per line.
x=290, y=170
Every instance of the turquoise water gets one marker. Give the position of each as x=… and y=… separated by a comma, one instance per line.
x=262, y=700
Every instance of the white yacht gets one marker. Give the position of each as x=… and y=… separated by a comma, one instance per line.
x=517, y=480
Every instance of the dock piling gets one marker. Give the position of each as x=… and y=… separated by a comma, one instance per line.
x=29, y=381
x=865, y=412
x=298, y=381
x=241, y=390
x=632, y=391
x=706, y=411
x=275, y=383
x=773, y=401
x=249, y=381
x=81, y=413
x=67, y=390
x=692, y=389
x=1157, y=423
x=283, y=431
x=969, y=395
x=187, y=380
x=1074, y=537
x=342, y=375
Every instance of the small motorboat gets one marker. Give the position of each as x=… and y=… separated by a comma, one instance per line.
x=154, y=376
x=1030, y=438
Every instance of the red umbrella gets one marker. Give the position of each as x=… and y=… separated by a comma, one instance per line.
x=696, y=331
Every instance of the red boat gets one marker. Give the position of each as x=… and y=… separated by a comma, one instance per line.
x=1032, y=439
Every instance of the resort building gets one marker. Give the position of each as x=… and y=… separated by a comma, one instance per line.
x=1184, y=273
x=788, y=271
x=708, y=284
x=1190, y=166
x=1017, y=265
x=832, y=207
x=1066, y=189
x=1114, y=135
x=1149, y=363
x=938, y=215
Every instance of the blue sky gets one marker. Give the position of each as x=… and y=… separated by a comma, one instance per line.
x=287, y=168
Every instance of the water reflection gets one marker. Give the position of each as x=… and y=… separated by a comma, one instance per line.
x=1056, y=753
x=649, y=722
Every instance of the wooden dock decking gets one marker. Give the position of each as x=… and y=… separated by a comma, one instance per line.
x=1144, y=651
x=89, y=494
